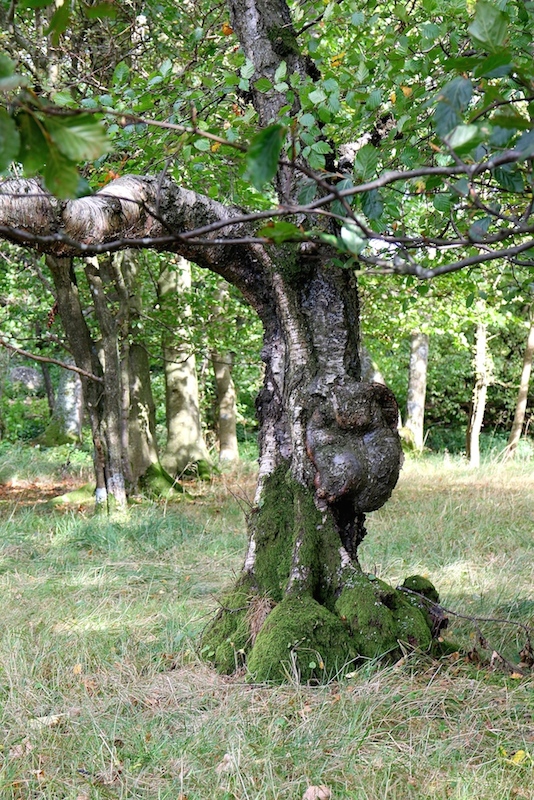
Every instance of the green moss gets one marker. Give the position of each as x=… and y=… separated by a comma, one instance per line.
x=82, y=496
x=283, y=40
x=226, y=640
x=300, y=640
x=416, y=583
x=158, y=483
x=380, y=617
x=54, y=435
x=273, y=525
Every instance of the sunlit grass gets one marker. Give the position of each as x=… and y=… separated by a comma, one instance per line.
x=102, y=693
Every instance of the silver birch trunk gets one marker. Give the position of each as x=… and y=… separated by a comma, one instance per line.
x=65, y=425
x=522, y=395
x=415, y=406
x=480, y=390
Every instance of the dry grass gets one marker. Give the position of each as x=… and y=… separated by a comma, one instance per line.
x=102, y=694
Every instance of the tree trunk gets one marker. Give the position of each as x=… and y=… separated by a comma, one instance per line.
x=185, y=449
x=478, y=403
x=522, y=396
x=65, y=426
x=86, y=358
x=143, y=449
x=413, y=431
x=226, y=407
x=329, y=453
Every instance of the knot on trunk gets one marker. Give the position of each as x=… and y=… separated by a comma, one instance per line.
x=353, y=443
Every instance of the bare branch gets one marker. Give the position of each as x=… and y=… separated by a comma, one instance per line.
x=48, y=360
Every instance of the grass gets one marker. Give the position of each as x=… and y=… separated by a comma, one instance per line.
x=103, y=695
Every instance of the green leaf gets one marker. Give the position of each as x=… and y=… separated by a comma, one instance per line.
x=33, y=145
x=495, y=66
x=263, y=154
x=352, y=239
x=317, y=96
x=372, y=204
x=247, y=70
x=307, y=193
x=100, y=11
x=9, y=80
x=59, y=22
x=80, y=138
x=478, y=230
x=9, y=139
x=321, y=147
x=509, y=178
x=525, y=144
x=366, y=162
x=374, y=100
x=202, y=144
x=263, y=85
x=463, y=138
x=452, y=102
x=36, y=3
x=442, y=203
x=60, y=175
x=282, y=231
x=490, y=26
x=121, y=73
x=281, y=72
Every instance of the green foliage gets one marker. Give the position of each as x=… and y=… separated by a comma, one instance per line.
x=263, y=154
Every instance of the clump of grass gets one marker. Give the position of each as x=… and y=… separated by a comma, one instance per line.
x=102, y=694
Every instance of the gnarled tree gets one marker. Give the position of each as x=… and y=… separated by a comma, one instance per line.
x=329, y=447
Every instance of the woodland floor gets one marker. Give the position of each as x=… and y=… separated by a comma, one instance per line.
x=103, y=693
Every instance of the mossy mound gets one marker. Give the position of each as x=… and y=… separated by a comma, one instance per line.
x=227, y=638
x=379, y=617
x=85, y=495
x=301, y=640
x=156, y=482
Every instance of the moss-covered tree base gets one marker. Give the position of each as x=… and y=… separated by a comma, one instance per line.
x=300, y=639
x=156, y=482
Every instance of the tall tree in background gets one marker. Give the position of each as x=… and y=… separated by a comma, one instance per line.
x=415, y=405
x=329, y=448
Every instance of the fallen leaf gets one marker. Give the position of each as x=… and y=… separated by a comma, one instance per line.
x=77, y=669
x=321, y=792
x=519, y=757
x=49, y=721
x=20, y=749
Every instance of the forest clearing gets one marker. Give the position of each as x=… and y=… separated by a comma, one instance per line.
x=104, y=693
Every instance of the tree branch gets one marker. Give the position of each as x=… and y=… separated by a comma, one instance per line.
x=48, y=360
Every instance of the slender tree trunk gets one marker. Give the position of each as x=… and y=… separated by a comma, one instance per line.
x=522, y=396
x=185, y=448
x=142, y=415
x=226, y=407
x=86, y=358
x=480, y=390
x=65, y=425
x=415, y=406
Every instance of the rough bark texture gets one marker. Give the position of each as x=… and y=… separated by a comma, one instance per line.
x=413, y=431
